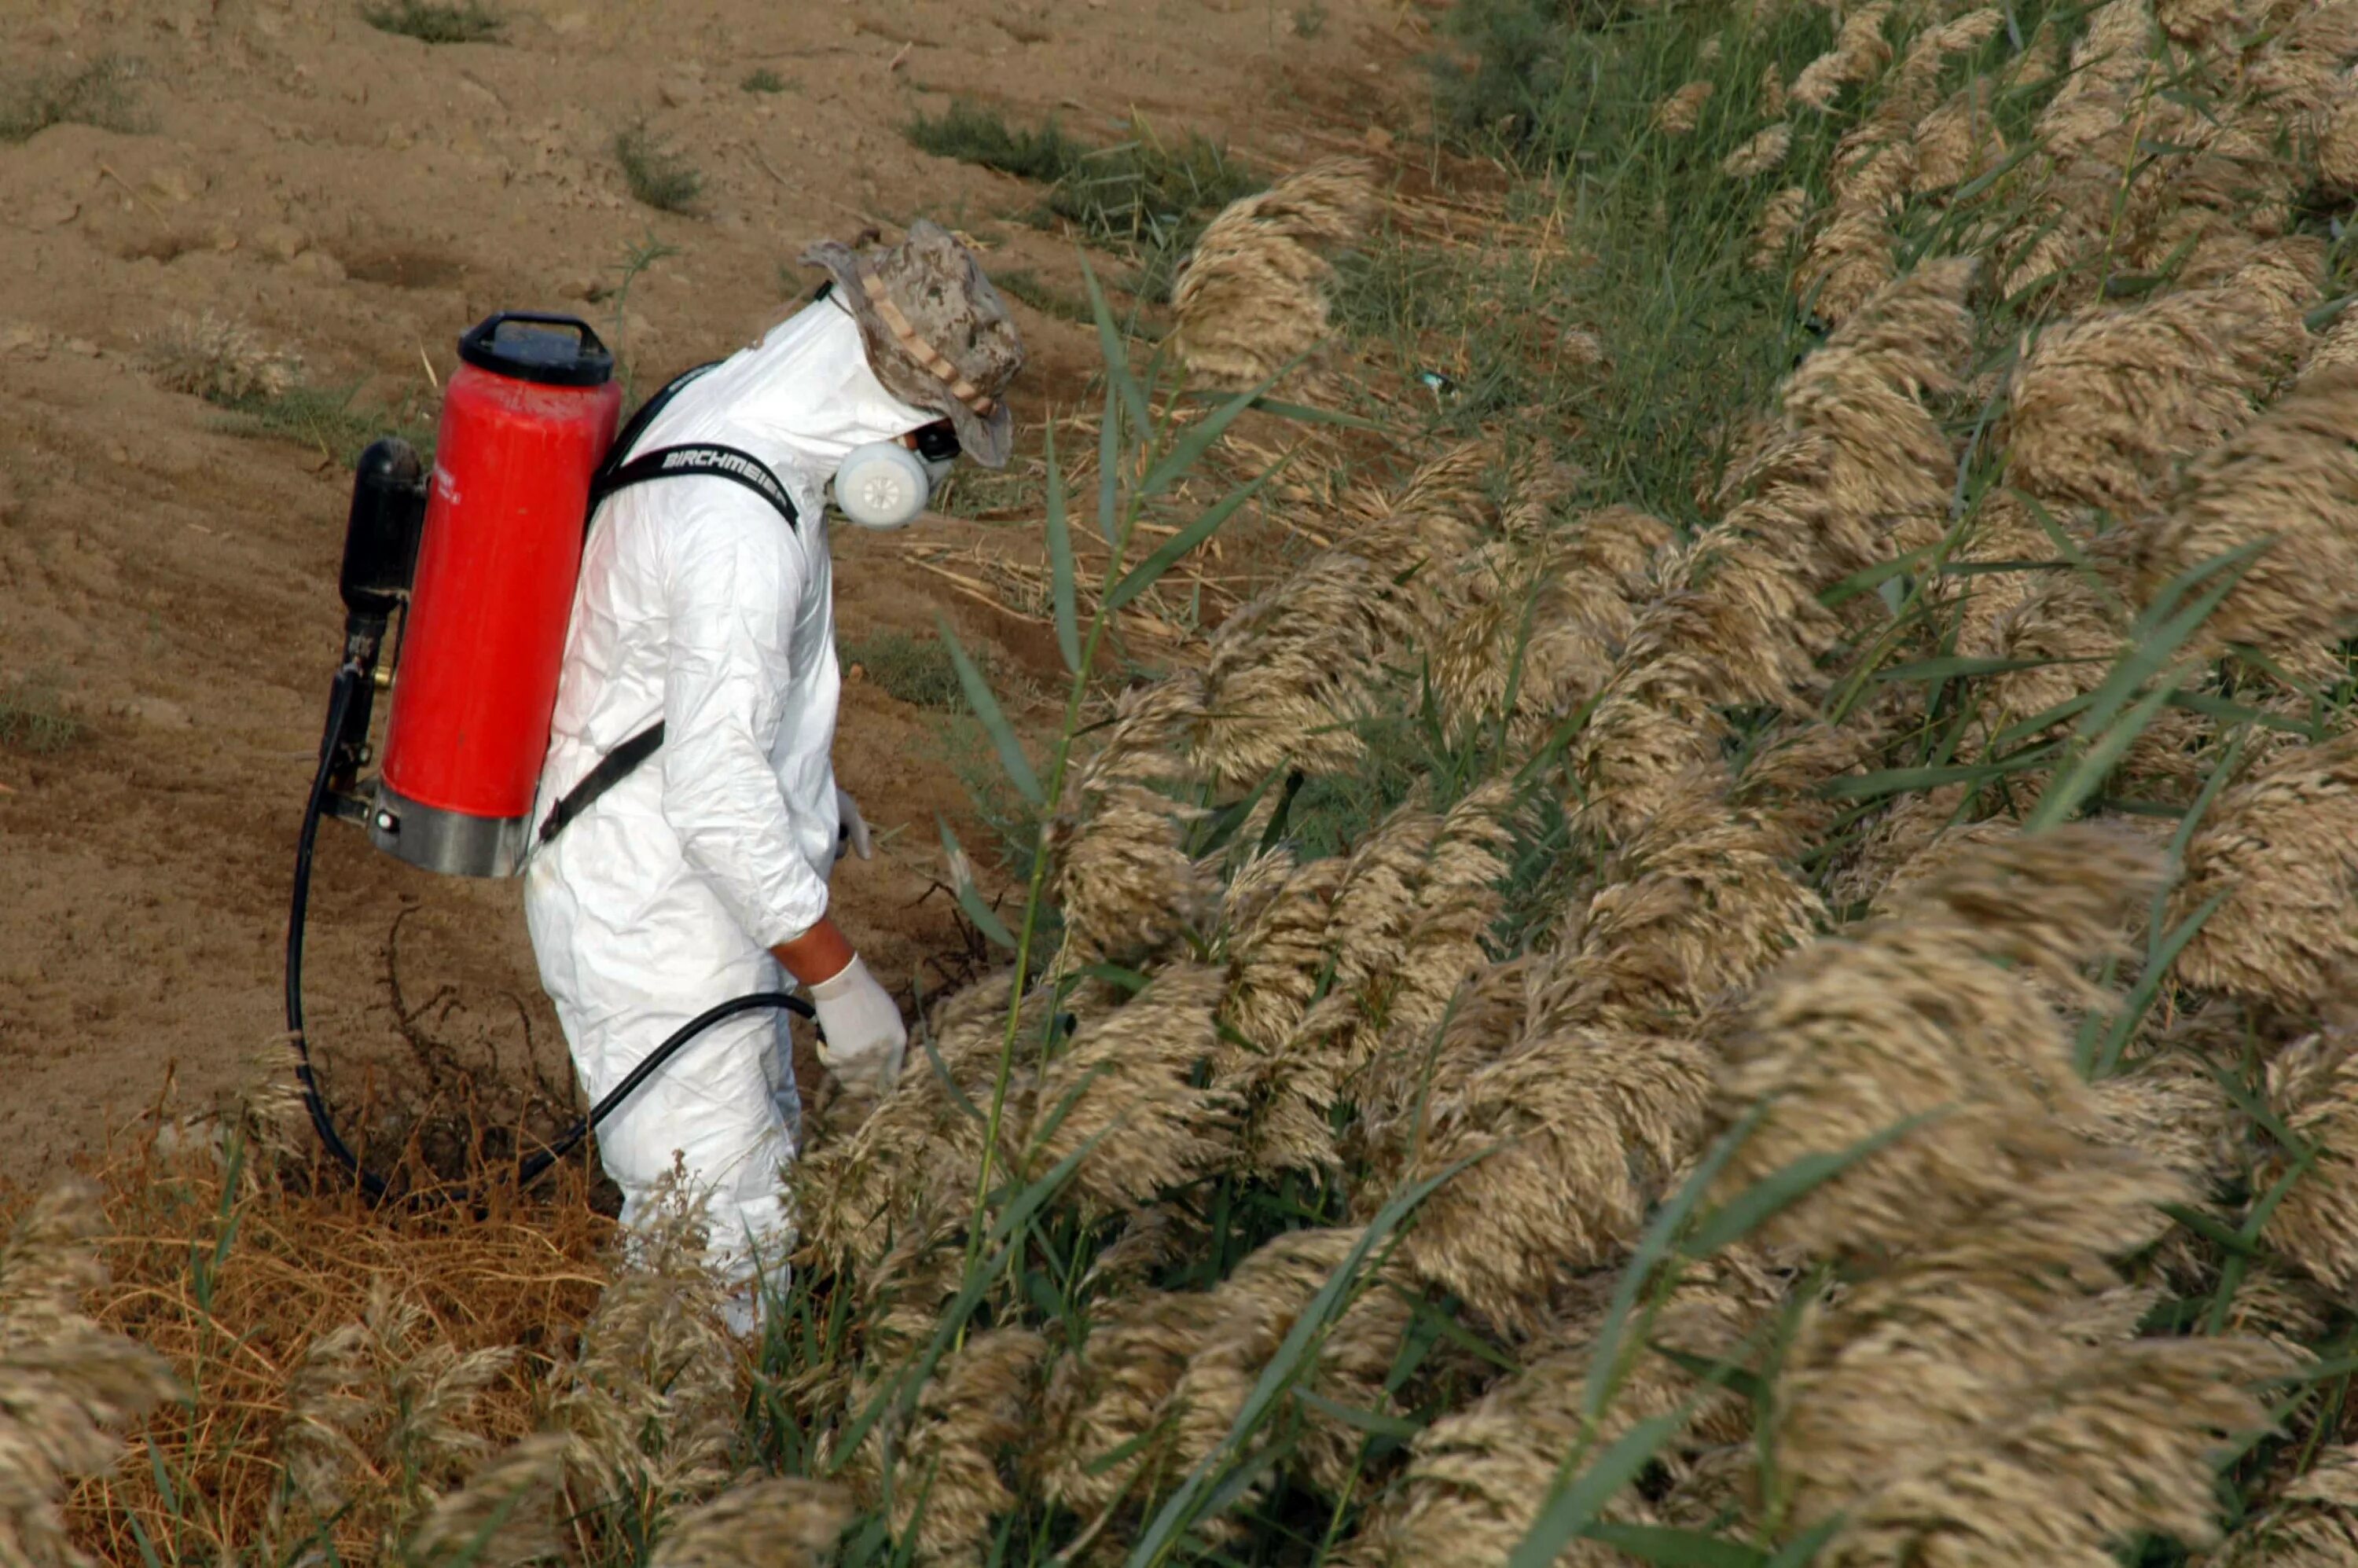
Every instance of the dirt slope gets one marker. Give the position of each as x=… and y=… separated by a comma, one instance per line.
x=360, y=199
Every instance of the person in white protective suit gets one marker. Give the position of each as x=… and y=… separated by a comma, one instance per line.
x=703, y=874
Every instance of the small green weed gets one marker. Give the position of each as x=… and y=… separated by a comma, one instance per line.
x=765, y=80
x=1512, y=67
x=1309, y=20
x=34, y=716
x=1148, y=196
x=972, y=134
x=637, y=258
x=657, y=175
x=436, y=24
x=98, y=94
x=330, y=420
x=1011, y=492
x=911, y=669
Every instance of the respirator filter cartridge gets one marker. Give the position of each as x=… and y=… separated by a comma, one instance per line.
x=882, y=485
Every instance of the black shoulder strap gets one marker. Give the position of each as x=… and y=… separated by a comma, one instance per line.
x=636, y=426
x=699, y=459
x=612, y=768
x=620, y=469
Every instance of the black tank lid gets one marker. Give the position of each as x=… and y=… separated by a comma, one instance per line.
x=552, y=351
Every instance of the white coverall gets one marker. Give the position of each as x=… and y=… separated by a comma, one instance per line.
x=698, y=606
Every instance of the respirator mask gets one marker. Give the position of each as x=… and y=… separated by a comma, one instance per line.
x=884, y=485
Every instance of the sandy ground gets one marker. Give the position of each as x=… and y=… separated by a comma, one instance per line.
x=360, y=199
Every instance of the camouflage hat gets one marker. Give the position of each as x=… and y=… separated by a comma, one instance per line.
x=938, y=336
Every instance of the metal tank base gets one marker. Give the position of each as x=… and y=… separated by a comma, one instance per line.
x=436, y=838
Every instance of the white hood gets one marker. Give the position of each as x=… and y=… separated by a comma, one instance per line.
x=798, y=400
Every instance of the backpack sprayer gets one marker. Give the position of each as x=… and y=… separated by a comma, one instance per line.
x=479, y=558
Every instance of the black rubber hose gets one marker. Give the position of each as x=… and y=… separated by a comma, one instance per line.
x=340, y=700
x=532, y=1168
x=571, y=1139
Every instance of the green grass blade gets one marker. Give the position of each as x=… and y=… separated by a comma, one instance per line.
x=1738, y=1380
x=1653, y=1247
x=2157, y=969
x=2210, y=1229
x=1189, y=1502
x=2159, y=633
x=1144, y=575
x=146, y=1547
x=1116, y=354
x=1674, y=1548
x=950, y=1085
x=1952, y=667
x=1060, y=561
x=968, y=896
x=1899, y=781
x=2221, y=709
x=1110, y=468
x=1740, y=1216
x=1868, y=579
x=1572, y=1510
x=1189, y=450
x=1367, y=1421
x=1302, y=414
x=1804, y=1547
x=1012, y=759
x=2090, y=768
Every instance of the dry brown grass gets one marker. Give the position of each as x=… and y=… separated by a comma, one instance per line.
x=305, y=1318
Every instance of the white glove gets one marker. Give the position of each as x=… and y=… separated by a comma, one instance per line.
x=864, y=1037
x=855, y=833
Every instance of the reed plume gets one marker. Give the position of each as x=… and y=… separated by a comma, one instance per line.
x=1908, y=1021
x=1477, y=1478
x=2312, y=1524
x=2312, y=1085
x=503, y=1517
x=70, y=1384
x=1124, y=882
x=1124, y=1094
x=1860, y=50
x=1957, y=142
x=2280, y=853
x=1250, y=1316
x=1251, y=298
x=1104, y=1428
x=1288, y=673
x=2286, y=482
x=1760, y=153
x=651, y=1398
x=2102, y=406
x=1550, y=633
x=1279, y=916
x=976, y=1412
x=1782, y=217
x=1677, y=115
x=1946, y=1405
x=1578, y=1129
x=780, y=1521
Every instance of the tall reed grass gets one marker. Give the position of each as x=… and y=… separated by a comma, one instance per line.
x=1744, y=968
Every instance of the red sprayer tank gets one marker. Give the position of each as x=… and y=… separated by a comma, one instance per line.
x=525, y=422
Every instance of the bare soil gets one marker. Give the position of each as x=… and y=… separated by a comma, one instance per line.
x=360, y=199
